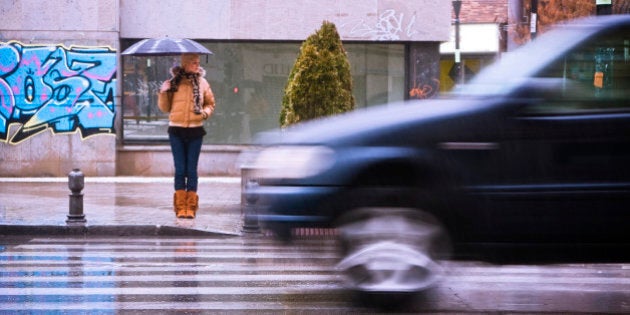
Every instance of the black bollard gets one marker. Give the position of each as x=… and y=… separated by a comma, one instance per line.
x=250, y=222
x=76, y=183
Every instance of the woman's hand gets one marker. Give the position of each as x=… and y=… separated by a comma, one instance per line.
x=166, y=85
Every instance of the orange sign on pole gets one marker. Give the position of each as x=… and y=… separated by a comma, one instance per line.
x=598, y=81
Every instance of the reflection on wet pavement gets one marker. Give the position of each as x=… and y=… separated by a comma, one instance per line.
x=181, y=274
x=236, y=275
x=141, y=201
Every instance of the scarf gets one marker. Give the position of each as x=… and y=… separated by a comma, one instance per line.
x=178, y=75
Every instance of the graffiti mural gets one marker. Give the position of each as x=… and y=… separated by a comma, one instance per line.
x=64, y=90
x=389, y=26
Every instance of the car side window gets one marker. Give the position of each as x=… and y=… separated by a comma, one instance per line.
x=594, y=77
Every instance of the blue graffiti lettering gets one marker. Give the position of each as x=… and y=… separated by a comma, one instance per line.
x=56, y=88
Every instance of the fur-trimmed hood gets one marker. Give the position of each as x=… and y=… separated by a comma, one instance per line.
x=176, y=69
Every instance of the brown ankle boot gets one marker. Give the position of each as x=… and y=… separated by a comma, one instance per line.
x=179, y=203
x=192, y=204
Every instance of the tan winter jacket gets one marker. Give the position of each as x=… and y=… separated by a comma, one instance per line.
x=180, y=104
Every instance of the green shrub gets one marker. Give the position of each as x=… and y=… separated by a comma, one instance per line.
x=320, y=83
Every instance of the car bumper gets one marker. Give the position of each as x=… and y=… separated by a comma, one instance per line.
x=292, y=206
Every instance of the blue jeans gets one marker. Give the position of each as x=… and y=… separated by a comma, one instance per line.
x=186, y=157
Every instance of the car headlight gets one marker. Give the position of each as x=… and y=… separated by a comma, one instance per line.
x=292, y=161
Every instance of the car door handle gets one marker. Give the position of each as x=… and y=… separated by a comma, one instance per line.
x=469, y=145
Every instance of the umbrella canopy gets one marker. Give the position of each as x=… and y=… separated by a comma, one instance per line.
x=165, y=47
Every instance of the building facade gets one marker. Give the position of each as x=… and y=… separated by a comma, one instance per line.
x=70, y=100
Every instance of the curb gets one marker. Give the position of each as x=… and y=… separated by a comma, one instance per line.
x=104, y=230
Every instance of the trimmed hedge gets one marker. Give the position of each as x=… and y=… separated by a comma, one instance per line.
x=320, y=83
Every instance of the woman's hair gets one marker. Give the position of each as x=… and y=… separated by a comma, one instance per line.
x=188, y=58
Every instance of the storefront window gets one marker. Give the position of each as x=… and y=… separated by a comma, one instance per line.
x=248, y=81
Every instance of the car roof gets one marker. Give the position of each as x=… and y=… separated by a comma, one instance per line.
x=514, y=67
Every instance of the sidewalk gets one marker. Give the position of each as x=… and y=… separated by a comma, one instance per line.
x=118, y=206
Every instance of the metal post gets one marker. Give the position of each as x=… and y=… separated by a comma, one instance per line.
x=533, y=21
x=76, y=183
x=248, y=200
x=250, y=220
x=457, y=5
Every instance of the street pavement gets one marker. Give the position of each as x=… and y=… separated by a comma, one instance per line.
x=118, y=206
x=259, y=275
x=169, y=275
x=124, y=267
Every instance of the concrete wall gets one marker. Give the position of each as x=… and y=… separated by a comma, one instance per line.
x=56, y=155
x=418, y=20
x=215, y=160
x=47, y=37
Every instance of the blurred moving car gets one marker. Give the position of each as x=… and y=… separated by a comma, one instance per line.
x=535, y=150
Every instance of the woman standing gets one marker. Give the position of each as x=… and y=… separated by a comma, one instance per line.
x=189, y=100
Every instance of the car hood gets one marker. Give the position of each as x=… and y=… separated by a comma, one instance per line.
x=364, y=125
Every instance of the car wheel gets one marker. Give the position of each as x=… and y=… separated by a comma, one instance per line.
x=390, y=250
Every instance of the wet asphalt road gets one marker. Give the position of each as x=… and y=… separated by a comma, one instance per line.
x=233, y=274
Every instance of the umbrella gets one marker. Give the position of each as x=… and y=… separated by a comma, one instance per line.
x=166, y=46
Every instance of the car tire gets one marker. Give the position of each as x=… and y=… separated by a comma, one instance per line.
x=389, y=250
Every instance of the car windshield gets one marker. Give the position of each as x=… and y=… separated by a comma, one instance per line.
x=517, y=66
